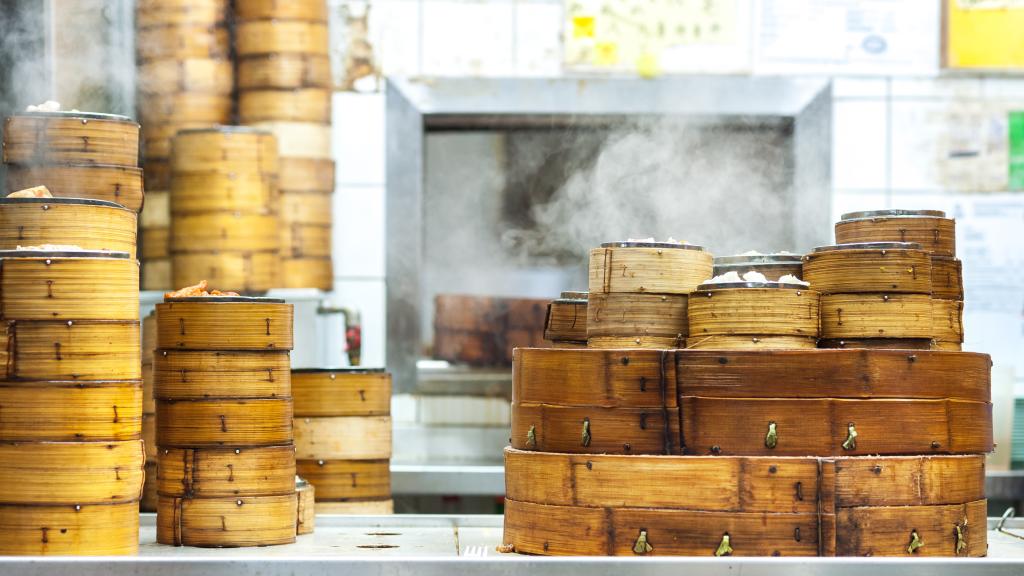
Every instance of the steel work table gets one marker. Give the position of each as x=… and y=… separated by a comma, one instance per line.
x=455, y=545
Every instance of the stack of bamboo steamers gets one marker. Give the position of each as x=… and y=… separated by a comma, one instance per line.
x=284, y=86
x=751, y=441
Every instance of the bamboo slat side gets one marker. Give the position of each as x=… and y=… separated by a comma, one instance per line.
x=637, y=315
x=936, y=235
x=225, y=150
x=302, y=140
x=372, y=507
x=870, y=270
x=284, y=71
x=876, y=316
x=947, y=278
x=877, y=343
x=156, y=242
x=157, y=175
x=305, y=519
x=244, y=272
x=945, y=346
x=82, y=350
x=566, y=321
x=224, y=326
x=69, y=289
x=90, y=227
x=909, y=480
x=149, y=436
x=204, y=423
x=347, y=479
x=121, y=184
x=227, y=522
x=594, y=430
x=170, y=76
x=304, y=174
x=90, y=530
x=312, y=10
x=651, y=270
x=299, y=105
x=257, y=37
x=158, y=135
x=948, y=321
x=343, y=438
x=228, y=231
x=750, y=342
x=195, y=375
x=341, y=393
x=226, y=472
x=156, y=275
x=158, y=209
x=754, y=311
x=312, y=272
x=149, y=496
x=887, y=531
x=639, y=342
x=180, y=12
x=32, y=139
x=306, y=208
x=185, y=107
x=305, y=240
x=215, y=191
x=70, y=411
x=69, y=473
x=181, y=42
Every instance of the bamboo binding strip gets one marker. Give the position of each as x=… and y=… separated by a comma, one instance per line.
x=213, y=323
x=70, y=350
x=341, y=392
x=753, y=317
x=931, y=229
x=331, y=438
x=347, y=479
x=258, y=37
x=284, y=71
x=226, y=149
x=57, y=286
x=299, y=105
x=244, y=422
x=876, y=316
x=298, y=175
x=70, y=411
x=192, y=75
x=69, y=473
x=567, y=318
x=196, y=374
x=621, y=320
x=93, y=530
x=658, y=268
x=119, y=184
x=227, y=522
x=246, y=271
x=875, y=267
x=88, y=224
x=312, y=10
x=221, y=472
x=71, y=138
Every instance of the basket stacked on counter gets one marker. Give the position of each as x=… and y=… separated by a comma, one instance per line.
x=566, y=321
x=149, y=495
x=483, y=330
x=226, y=458
x=185, y=80
x=284, y=86
x=343, y=438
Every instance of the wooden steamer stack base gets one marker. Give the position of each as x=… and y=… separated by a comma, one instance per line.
x=226, y=458
x=566, y=323
x=484, y=330
x=71, y=455
x=343, y=438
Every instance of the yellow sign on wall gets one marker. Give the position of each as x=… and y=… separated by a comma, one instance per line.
x=984, y=34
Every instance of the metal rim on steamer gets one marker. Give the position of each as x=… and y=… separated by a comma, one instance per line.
x=226, y=299
x=868, y=214
x=74, y=115
x=300, y=482
x=60, y=200
x=574, y=295
x=340, y=370
x=724, y=285
x=225, y=129
x=870, y=246
x=669, y=245
x=29, y=253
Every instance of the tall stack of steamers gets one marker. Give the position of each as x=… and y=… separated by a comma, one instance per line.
x=751, y=440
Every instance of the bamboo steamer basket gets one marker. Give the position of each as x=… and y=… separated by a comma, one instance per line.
x=892, y=528
x=876, y=316
x=258, y=37
x=226, y=472
x=753, y=314
x=62, y=473
x=304, y=140
x=227, y=522
x=192, y=75
x=227, y=231
x=284, y=72
x=594, y=429
x=621, y=320
x=305, y=518
x=156, y=274
x=37, y=285
x=312, y=10
x=947, y=324
x=567, y=318
x=878, y=343
x=158, y=136
x=947, y=277
x=158, y=212
x=225, y=148
x=70, y=411
x=150, y=13
x=773, y=266
x=224, y=422
x=119, y=184
x=73, y=350
x=148, y=402
x=182, y=42
x=304, y=175
x=148, y=338
x=331, y=438
x=347, y=479
x=299, y=240
x=483, y=331
x=224, y=323
x=363, y=507
x=748, y=342
x=88, y=224
x=311, y=208
x=307, y=272
x=35, y=138
x=185, y=108
x=194, y=375
x=890, y=267
x=244, y=272
x=299, y=105
x=929, y=228
x=157, y=176
x=149, y=436
x=341, y=392
x=249, y=192
x=655, y=267
x=149, y=496
x=80, y=530
x=156, y=243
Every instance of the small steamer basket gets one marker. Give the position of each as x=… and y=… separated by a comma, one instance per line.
x=648, y=267
x=754, y=315
x=929, y=228
x=889, y=267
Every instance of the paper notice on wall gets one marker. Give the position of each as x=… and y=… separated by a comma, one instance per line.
x=877, y=37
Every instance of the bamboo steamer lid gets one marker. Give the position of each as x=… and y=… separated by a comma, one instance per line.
x=228, y=231
x=257, y=37
x=347, y=479
x=891, y=267
x=654, y=267
x=305, y=240
x=190, y=374
x=305, y=175
x=227, y=471
x=593, y=429
x=876, y=316
x=240, y=271
x=947, y=277
x=70, y=411
x=312, y=10
x=158, y=137
x=186, y=108
x=341, y=392
x=878, y=343
x=567, y=318
x=71, y=472
x=227, y=522
x=119, y=184
x=181, y=42
x=300, y=140
x=79, y=530
x=306, y=515
x=626, y=320
x=247, y=192
x=330, y=438
x=229, y=149
x=948, y=321
x=89, y=224
x=929, y=228
x=169, y=76
x=149, y=436
x=364, y=507
x=156, y=274
x=156, y=243
x=224, y=323
x=299, y=105
x=158, y=212
x=306, y=208
x=37, y=285
x=71, y=138
x=224, y=422
x=149, y=13
x=149, y=496
x=157, y=175
x=754, y=309
x=308, y=272
x=73, y=350
x=284, y=71
x=773, y=266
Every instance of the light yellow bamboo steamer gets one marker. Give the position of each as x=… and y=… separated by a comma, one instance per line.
x=180, y=42
x=299, y=105
x=305, y=519
x=309, y=272
x=71, y=138
x=156, y=274
x=64, y=285
x=246, y=192
x=158, y=138
x=358, y=507
x=635, y=319
x=219, y=323
x=305, y=241
x=185, y=108
x=149, y=496
x=312, y=10
x=746, y=342
x=769, y=309
x=347, y=479
x=149, y=13
x=948, y=321
x=306, y=208
x=156, y=243
x=88, y=224
x=929, y=228
x=223, y=422
x=341, y=392
x=947, y=277
x=225, y=148
x=169, y=76
x=305, y=175
x=284, y=71
x=158, y=210
x=300, y=140
x=119, y=184
x=188, y=374
x=891, y=267
x=343, y=438
x=225, y=472
x=70, y=411
x=227, y=522
x=257, y=37
x=79, y=530
x=244, y=272
x=73, y=350
x=157, y=176
x=71, y=472
x=228, y=231
x=149, y=436
x=876, y=316
x=646, y=267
